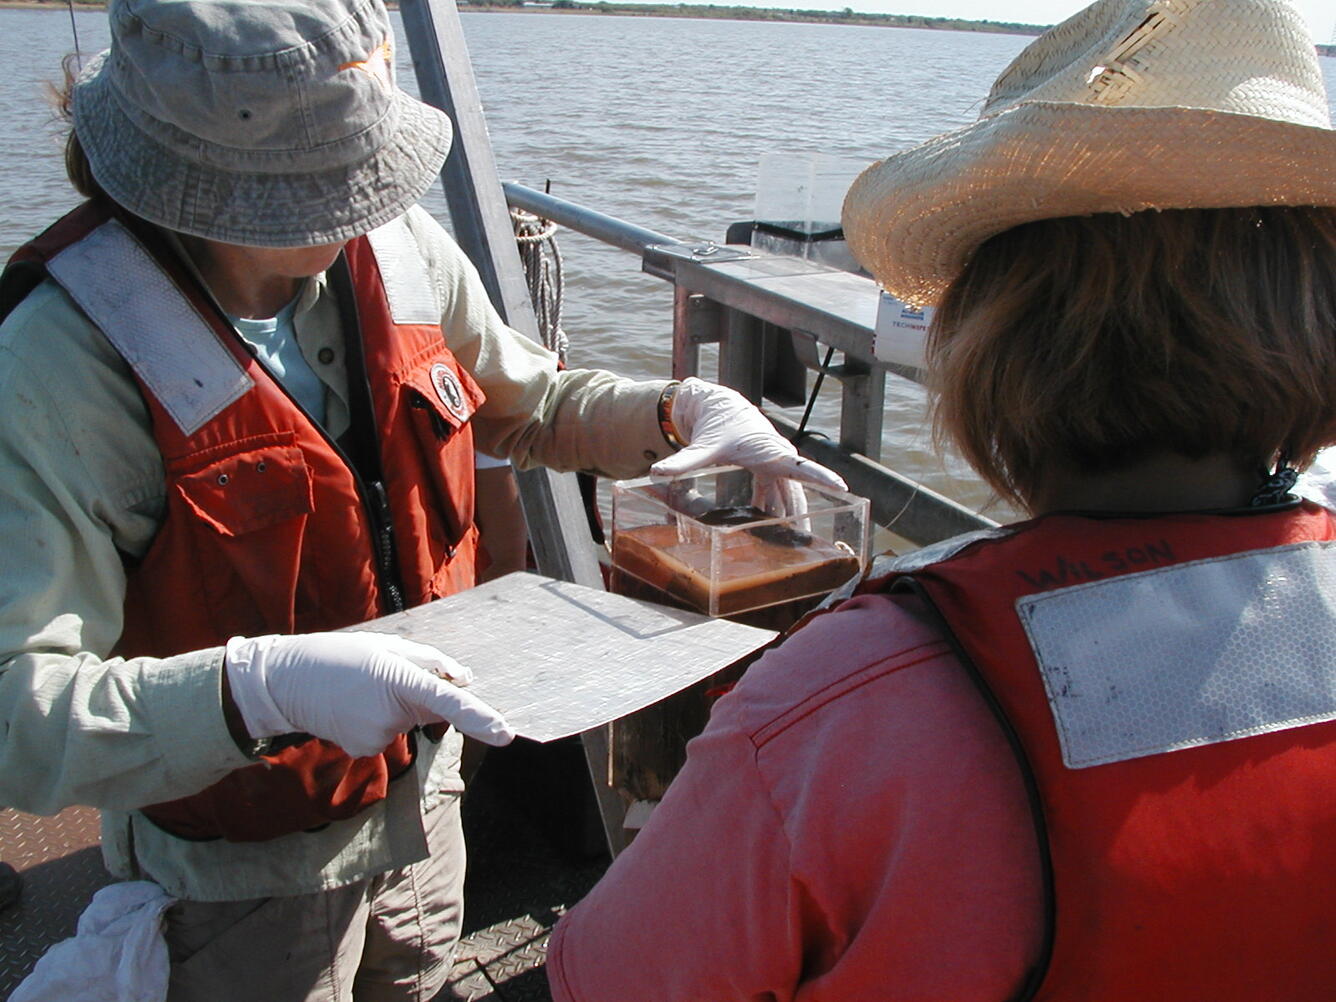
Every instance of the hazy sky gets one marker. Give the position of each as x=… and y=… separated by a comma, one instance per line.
x=1321, y=14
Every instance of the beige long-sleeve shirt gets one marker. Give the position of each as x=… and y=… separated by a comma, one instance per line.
x=82, y=491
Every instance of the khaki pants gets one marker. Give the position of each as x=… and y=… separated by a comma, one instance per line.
x=387, y=939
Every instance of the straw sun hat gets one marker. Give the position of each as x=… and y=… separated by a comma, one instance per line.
x=274, y=124
x=1127, y=105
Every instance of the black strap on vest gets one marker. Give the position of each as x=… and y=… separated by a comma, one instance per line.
x=17, y=281
x=361, y=442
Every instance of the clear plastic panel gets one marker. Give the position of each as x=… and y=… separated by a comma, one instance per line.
x=697, y=541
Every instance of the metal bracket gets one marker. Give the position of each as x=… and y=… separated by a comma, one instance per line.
x=704, y=318
x=660, y=260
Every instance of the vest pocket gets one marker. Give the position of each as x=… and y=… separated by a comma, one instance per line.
x=248, y=491
x=446, y=446
x=429, y=469
x=252, y=506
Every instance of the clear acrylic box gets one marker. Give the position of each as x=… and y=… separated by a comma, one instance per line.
x=696, y=541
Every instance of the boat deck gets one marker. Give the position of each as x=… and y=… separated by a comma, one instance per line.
x=530, y=858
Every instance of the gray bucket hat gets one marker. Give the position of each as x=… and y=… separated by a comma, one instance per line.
x=269, y=123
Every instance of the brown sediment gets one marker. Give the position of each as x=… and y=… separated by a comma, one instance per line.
x=756, y=572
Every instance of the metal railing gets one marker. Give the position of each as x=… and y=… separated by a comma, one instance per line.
x=755, y=305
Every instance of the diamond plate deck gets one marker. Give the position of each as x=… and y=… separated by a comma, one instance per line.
x=61, y=866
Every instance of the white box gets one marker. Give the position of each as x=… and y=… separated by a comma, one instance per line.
x=901, y=332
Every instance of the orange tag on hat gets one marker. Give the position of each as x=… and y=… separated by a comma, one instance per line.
x=377, y=65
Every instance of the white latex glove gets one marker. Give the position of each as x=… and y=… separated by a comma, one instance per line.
x=357, y=690
x=723, y=428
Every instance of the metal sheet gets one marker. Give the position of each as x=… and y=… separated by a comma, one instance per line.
x=505, y=962
x=558, y=658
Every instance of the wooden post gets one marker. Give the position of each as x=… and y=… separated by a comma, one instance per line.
x=553, y=509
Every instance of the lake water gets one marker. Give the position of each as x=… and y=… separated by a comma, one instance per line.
x=659, y=121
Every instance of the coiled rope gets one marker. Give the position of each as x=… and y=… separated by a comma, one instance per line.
x=537, y=242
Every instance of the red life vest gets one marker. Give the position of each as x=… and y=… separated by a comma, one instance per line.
x=268, y=529
x=1190, y=855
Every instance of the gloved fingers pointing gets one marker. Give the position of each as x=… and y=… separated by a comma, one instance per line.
x=467, y=714
x=766, y=455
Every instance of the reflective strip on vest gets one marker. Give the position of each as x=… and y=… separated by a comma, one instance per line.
x=154, y=327
x=1193, y=654
x=408, y=285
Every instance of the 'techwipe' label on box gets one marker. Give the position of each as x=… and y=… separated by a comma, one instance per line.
x=901, y=332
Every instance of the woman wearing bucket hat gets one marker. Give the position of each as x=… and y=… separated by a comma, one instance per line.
x=244, y=384
x=1090, y=755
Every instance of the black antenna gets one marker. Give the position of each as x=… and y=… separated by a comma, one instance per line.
x=74, y=28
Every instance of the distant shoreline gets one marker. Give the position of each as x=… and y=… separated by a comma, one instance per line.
x=728, y=13
x=698, y=11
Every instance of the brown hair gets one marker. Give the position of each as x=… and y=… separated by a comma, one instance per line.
x=77, y=167
x=1100, y=340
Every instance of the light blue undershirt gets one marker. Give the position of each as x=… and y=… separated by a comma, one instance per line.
x=275, y=343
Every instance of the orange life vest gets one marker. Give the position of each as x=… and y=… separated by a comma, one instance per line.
x=269, y=527
x=1169, y=685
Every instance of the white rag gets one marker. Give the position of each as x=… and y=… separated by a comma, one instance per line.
x=1318, y=482
x=118, y=954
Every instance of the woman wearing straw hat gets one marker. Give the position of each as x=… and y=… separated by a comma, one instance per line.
x=1091, y=755
x=243, y=382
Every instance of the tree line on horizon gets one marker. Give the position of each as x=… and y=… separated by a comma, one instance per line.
x=846, y=16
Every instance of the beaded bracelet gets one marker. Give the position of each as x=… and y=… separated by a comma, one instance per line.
x=666, y=425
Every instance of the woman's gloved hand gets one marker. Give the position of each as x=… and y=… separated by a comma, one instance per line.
x=357, y=690
x=720, y=426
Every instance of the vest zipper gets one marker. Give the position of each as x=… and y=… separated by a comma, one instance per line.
x=386, y=565
x=364, y=439
x=442, y=430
